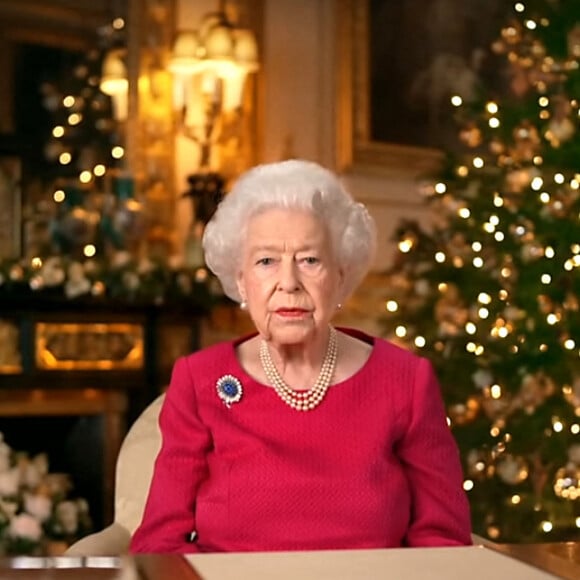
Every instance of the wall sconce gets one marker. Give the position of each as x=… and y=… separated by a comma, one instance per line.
x=115, y=83
x=210, y=66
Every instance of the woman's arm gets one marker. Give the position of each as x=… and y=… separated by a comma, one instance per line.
x=169, y=516
x=440, y=510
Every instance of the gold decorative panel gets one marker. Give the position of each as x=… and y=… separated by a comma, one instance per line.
x=10, y=361
x=89, y=346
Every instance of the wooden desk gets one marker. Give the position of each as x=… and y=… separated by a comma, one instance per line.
x=515, y=562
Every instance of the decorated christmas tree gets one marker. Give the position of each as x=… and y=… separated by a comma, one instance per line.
x=490, y=290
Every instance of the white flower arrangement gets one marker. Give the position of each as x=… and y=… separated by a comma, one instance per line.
x=35, y=510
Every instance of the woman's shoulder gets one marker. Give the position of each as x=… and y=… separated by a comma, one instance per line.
x=387, y=349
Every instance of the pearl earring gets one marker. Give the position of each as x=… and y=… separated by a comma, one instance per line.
x=339, y=306
x=243, y=305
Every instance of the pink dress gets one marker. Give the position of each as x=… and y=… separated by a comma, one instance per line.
x=373, y=466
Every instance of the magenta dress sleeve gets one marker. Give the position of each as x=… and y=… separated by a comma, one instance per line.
x=440, y=514
x=169, y=517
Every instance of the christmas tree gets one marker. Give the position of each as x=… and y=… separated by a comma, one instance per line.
x=490, y=290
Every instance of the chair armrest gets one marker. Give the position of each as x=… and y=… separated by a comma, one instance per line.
x=111, y=541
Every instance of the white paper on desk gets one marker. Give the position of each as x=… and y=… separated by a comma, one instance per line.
x=461, y=563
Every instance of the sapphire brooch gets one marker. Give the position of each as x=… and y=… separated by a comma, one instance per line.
x=229, y=390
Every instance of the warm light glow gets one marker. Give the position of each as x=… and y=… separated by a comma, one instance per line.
x=478, y=162
x=497, y=200
x=468, y=485
x=543, y=101
x=392, y=306
x=494, y=122
x=58, y=196
x=464, y=212
x=545, y=197
x=495, y=391
x=401, y=331
x=440, y=188
x=569, y=344
x=476, y=246
x=58, y=131
x=99, y=170
x=117, y=152
x=470, y=328
x=537, y=183
x=492, y=107
x=557, y=425
x=478, y=262
x=36, y=263
x=484, y=298
x=531, y=25
x=546, y=279
x=85, y=177
x=74, y=119
x=89, y=250
x=456, y=101
x=559, y=178
x=420, y=341
x=65, y=158
x=516, y=499
x=68, y=101
x=440, y=257
x=499, y=236
x=547, y=526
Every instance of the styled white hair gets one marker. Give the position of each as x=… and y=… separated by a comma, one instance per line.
x=292, y=184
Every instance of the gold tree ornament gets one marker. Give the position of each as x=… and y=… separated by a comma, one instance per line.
x=512, y=469
x=567, y=482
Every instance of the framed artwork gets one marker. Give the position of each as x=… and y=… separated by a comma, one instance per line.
x=10, y=206
x=399, y=64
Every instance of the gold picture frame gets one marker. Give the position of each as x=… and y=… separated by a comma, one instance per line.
x=89, y=346
x=390, y=57
x=357, y=151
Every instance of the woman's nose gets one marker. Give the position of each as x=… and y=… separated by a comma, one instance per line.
x=289, y=281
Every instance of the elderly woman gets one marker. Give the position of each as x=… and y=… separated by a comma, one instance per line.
x=300, y=436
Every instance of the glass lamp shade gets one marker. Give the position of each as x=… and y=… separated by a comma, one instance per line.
x=114, y=74
x=187, y=50
x=246, y=50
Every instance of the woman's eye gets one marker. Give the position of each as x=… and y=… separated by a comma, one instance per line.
x=310, y=260
x=265, y=261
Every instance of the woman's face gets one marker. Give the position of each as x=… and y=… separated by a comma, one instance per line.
x=289, y=276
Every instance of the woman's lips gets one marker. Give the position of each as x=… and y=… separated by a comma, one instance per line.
x=291, y=312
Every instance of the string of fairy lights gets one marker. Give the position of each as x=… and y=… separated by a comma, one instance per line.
x=499, y=238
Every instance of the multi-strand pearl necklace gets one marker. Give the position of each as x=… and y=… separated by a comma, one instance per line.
x=302, y=400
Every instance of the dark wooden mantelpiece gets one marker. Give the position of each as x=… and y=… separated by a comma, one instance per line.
x=90, y=357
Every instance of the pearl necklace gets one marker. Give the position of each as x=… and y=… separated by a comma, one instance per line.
x=302, y=400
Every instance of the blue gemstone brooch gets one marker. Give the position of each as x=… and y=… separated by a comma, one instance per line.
x=229, y=390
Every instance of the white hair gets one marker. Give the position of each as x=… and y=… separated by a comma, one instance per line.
x=292, y=184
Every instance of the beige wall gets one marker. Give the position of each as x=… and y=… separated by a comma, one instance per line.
x=299, y=106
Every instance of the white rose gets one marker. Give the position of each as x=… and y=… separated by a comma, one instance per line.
x=9, y=507
x=25, y=526
x=38, y=505
x=67, y=516
x=40, y=461
x=4, y=462
x=9, y=482
x=31, y=477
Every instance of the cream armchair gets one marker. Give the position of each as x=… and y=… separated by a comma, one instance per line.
x=133, y=475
